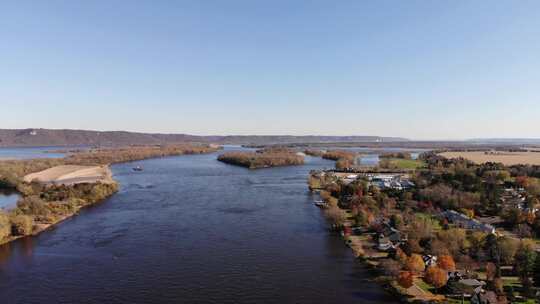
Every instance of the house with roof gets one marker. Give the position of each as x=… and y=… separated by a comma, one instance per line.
x=429, y=260
x=465, y=222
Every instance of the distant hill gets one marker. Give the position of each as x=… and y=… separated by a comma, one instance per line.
x=48, y=137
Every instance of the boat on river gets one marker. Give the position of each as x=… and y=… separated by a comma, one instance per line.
x=321, y=204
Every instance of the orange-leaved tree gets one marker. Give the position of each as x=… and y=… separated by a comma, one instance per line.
x=447, y=263
x=436, y=276
x=406, y=279
x=415, y=263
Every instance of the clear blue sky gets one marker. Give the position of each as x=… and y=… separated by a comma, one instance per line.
x=419, y=69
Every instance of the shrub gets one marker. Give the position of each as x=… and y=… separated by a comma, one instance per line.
x=22, y=224
x=34, y=206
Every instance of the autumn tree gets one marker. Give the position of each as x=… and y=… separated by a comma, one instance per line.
x=522, y=181
x=22, y=224
x=454, y=240
x=436, y=276
x=491, y=271
x=5, y=225
x=391, y=267
x=400, y=256
x=447, y=263
x=508, y=248
x=336, y=216
x=415, y=263
x=406, y=279
x=438, y=248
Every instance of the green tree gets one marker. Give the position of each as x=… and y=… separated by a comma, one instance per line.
x=525, y=265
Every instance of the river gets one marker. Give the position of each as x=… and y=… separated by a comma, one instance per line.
x=190, y=229
x=33, y=152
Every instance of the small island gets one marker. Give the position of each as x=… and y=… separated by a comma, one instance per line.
x=53, y=190
x=265, y=158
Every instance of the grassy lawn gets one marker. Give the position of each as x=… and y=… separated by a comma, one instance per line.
x=435, y=221
x=456, y=301
x=407, y=163
x=528, y=301
x=511, y=281
x=425, y=286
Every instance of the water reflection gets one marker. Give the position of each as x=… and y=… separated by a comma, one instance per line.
x=22, y=249
x=5, y=252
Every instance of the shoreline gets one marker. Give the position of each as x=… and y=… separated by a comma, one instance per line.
x=49, y=226
x=386, y=282
x=42, y=227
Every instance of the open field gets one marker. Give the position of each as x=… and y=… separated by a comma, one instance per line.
x=507, y=158
x=406, y=163
x=70, y=175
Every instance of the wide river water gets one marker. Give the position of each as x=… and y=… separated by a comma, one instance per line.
x=190, y=229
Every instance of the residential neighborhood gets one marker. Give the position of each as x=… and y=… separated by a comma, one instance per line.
x=439, y=236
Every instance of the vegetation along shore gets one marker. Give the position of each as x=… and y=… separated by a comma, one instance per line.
x=265, y=158
x=54, y=189
x=448, y=231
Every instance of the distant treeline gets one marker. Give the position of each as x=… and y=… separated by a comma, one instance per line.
x=121, y=155
x=316, y=153
x=262, y=158
x=400, y=155
x=13, y=171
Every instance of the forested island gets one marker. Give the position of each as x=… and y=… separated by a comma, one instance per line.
x=344, y=159
x=44, y=204
x=449, y=231
x=265, y=158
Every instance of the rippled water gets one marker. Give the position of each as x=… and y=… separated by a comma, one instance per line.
x=33, y=152
x=190, y=229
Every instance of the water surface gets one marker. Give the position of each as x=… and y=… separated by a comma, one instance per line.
x=31, y=152
x=190, y=229
x=8, y=199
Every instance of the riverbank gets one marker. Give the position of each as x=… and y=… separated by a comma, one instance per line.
x=53, y=190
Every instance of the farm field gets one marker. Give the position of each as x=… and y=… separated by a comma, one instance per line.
x=507, y=158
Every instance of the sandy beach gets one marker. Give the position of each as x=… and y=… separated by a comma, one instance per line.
x=70, y=175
